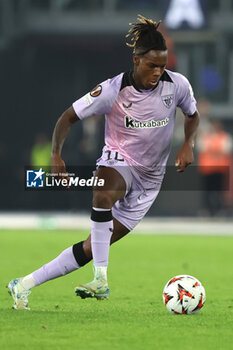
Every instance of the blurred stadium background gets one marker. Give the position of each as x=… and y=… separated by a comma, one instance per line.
x=53, y=51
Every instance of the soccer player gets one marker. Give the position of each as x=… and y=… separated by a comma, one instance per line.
x=140, y=108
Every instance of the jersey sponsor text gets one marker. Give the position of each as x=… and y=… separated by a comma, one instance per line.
x=135, y=124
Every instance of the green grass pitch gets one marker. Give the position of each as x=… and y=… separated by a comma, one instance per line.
x=134, y=317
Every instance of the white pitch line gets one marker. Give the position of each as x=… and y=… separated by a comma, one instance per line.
x=186, y=226
x=52, y=221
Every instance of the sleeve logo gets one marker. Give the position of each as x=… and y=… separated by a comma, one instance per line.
x=191, y=91
x=96, y=91
x=88, y=99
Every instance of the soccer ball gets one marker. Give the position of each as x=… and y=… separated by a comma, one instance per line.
x=184, y=294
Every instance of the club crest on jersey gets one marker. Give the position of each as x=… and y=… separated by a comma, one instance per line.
x=167, y=100
x=96, y=91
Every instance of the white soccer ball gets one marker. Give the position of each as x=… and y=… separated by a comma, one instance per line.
x=184, y=294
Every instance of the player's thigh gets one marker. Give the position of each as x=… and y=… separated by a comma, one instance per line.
x=114, y=187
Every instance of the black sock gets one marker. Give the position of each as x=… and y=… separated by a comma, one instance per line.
x=80, y=255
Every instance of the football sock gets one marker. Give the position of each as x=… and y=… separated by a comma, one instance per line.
x=100, y=273
x=101, y=232
x=28, y=282
x=74, y=257
x=60, y=266
x=80, y=255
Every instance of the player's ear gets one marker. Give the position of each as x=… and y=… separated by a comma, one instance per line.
x=136, y=60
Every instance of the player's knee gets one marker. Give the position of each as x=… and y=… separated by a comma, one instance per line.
x=103, y=199
x=119, y=231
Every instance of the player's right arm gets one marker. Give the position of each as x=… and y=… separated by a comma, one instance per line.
x=98, y=101
x=61, y=130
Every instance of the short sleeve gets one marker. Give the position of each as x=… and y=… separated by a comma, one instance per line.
x=186, y=100
x=100, y=99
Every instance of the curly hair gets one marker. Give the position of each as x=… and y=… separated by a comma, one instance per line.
x=145, y=36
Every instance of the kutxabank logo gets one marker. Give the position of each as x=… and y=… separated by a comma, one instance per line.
x=35, y=178
x=135, y=124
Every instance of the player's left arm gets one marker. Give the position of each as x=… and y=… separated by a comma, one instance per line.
x=185, y=155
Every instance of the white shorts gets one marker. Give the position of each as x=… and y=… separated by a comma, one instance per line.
x=139, y=196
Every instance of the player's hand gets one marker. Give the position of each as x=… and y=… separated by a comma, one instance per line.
x=58, y=167
x=184, y=157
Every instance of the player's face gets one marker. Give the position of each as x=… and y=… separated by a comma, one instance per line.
x=148, y=68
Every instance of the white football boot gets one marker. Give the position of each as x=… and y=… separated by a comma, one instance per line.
x=19, y=294
x=98, y=288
